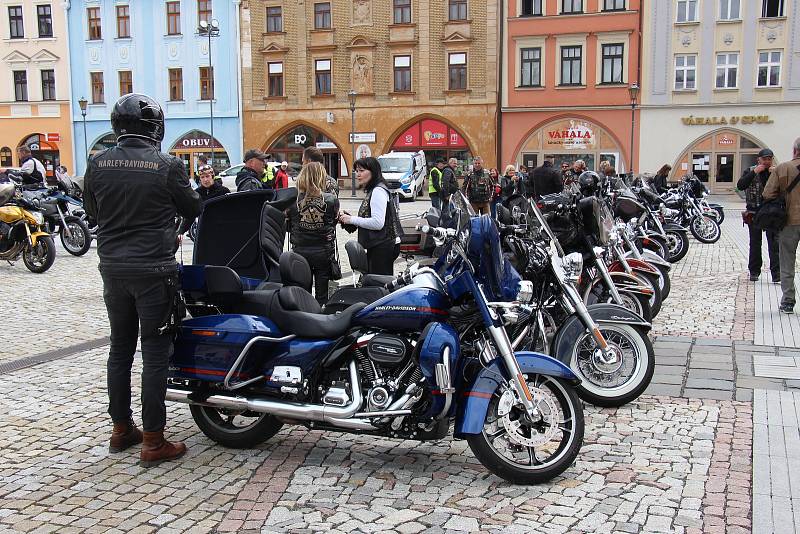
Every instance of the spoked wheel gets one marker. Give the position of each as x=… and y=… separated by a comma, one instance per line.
x=657, y=245
x=79, y=239
x=617, y=375
x=635, y=302
x=41, y=256
x=677, y=245
x=664, y=281
x=235, y=429
x=526, y=450
x=705, y=229
x=656, y=299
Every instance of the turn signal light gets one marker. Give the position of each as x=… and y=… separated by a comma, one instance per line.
x=206, y=333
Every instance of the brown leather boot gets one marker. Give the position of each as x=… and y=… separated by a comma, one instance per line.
x=156, y=449
x=123, y=436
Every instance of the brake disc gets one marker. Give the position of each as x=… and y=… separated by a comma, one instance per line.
x=516, y=428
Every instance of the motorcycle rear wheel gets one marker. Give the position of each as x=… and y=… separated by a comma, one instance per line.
x=220, y=426
x=677, y=244
x=637, y=363
x=705, y=229
x=81, y=240
x=531, y=453
x=41, y=257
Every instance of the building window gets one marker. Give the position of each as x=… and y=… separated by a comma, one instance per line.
x=93, y=17
x=322, y=76
x=173, y=18
x=20, y=86
x=5, y=157
x=322, y=15
x=571, y=6
x=402, y=11
x=571, y=59
x=531, y=8
x=613, y=5
x=458, y=71
x=402, y=74
x=274, y=19
x=727, y=66
x=123, y=22
x=275, y=71
x=125, y=82
x=531, y=67
x=687, y=11
x=769, y=69
x=98, y=91
x=612, y=63
x=44, y=18
x=16, y=26
x=729, y=9
x=457, y=10
x=685, y=72
x=176, y=85
x=203, y=11
x=206, y=83
x=772, y=8
x=48, y=85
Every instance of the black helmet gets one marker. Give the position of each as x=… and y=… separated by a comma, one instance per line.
x=588, y=182
x=136, y=115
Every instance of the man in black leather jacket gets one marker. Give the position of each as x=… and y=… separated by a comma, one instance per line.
x=135, y=192
x=249, y=177
x=546, y=179
x=752, y=182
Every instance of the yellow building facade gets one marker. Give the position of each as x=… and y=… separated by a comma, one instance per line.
x=425, y=74
x=34, y=84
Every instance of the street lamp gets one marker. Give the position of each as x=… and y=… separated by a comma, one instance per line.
x=633, y=90
x=351, y=97
x=210, y=29
x=82, y=103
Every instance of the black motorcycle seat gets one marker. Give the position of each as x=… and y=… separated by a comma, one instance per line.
x=376, y=280
x=255, y=302
x=291, y=312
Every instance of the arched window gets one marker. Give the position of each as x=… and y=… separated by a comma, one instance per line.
x=5, y=157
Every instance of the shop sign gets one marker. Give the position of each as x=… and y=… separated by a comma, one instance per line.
x=362, y=137
x=409, y=138
x=53, y=137
x=434, y=133
x=325, y=145
x=193, y=141
x=691, y=120
x=574, y=135
x=726, y=141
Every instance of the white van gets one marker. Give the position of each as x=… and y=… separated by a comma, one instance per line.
x=404, y=172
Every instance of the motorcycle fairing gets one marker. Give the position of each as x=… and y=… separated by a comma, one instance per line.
x=436, y=337
x=484, y=249
x=473, y=402
x=564, y=341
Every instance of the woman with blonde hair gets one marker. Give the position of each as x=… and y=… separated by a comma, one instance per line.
x=313, y=226
x=510, y=183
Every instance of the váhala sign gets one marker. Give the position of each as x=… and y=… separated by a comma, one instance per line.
x=570, y=135
x=691, y=120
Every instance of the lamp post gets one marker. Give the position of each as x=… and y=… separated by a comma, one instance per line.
x=210, y=29
x=82, y=103
x=633, y=90
x=351, y=97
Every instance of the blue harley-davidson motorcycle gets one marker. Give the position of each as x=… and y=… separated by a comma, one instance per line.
x=249, y=361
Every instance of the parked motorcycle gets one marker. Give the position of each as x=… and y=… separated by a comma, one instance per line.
x=687, y=211
x=249, y=362
x=71, y=228
x=22, y=231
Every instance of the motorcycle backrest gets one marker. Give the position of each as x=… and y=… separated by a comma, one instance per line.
x=295, y=270
x=224, y=287
x=271, y=235
x=357, y=256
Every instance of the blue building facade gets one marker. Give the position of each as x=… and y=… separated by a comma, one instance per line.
x=154, y=47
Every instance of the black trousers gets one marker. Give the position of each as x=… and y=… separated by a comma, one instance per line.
x=755, y=261
x=135, y=303
x=380, y=258
x=319, y=259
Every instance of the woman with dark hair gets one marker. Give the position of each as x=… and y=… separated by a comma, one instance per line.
x=660, y=179
x=377, y=221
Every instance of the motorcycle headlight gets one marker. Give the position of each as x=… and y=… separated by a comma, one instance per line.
x=573, y=266
x=38, y=216
x=525, y=293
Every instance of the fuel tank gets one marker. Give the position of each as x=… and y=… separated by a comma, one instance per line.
x=409, y=308
x=11, y=214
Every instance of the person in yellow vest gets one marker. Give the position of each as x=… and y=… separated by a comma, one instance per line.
x=435, y=184
x=268, y=176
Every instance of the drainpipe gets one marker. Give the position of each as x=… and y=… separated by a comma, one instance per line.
x=499, y=136
x=639, y=74
x=239, y=95
x=66, y=7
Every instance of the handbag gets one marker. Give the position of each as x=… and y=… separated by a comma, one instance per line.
x=747, y=217
x=772, y=213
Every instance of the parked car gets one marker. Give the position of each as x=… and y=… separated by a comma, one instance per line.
x=404, y=172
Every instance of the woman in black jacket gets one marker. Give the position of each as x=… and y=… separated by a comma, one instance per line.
x=660, y=179
x=313, y=226
x=377, y=221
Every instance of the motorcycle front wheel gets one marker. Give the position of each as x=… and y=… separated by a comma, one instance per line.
x=531, y=452
x=41, y=256
x=235, y=429
x=677, y=245
x=705, y=229
x=635, y=302
x=80, y=240
x=618, y=378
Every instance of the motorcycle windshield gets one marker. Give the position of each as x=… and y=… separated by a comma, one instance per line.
x=499, y=278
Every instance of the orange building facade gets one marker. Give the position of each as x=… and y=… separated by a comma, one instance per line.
x=568, y=66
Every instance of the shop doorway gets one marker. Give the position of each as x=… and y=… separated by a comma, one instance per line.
x=290, y=145
x=45, y=151
x=195, y=144
x=718, y=158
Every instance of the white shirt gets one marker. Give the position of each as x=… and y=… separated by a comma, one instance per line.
x=377, y=208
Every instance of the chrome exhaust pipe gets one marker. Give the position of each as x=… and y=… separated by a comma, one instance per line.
x=289, y=410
